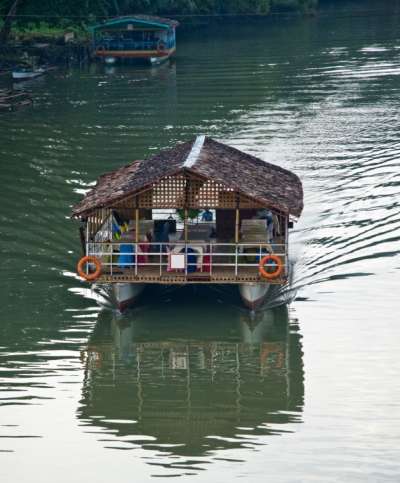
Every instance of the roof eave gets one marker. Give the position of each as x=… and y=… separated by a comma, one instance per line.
x=131, y=19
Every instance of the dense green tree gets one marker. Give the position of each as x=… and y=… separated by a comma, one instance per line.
x=9, y=9
x=118, y=7
x=64, y=12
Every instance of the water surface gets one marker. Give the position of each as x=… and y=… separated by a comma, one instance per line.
x=188, y=384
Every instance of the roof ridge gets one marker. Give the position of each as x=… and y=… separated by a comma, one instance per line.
x=269, y=184
x=194, y=153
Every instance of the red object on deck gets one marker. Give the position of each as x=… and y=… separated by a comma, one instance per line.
x=206, y=263
x=142, y=255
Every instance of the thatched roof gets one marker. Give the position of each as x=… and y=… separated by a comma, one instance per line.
x=151, y=20
x=270, y=185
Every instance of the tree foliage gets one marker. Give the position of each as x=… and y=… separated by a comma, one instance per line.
x=34, y=14
x=48, y=9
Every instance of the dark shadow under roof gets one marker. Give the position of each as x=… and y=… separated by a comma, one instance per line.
x=270, y=185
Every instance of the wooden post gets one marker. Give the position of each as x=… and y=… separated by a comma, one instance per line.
x=88, y=227
x=186, y=239
x=136, y=239
x=287, y=245
x=83, y=240
x=137, y=225
x=185, y=225
x=237, y=222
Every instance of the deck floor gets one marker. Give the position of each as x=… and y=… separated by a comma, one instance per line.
x=218, y=275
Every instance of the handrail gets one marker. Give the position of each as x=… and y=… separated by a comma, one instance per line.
x=157, y=254
x=126, y=44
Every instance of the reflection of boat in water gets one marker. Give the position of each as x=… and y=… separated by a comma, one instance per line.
x=190, y=385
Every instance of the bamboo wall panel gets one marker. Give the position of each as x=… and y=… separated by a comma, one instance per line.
x=181, y=191
x=169, y=192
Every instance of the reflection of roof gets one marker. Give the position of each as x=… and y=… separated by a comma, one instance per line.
x=138, y=19
x=268, y=184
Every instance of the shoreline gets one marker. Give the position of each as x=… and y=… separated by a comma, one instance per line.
x=42, y=50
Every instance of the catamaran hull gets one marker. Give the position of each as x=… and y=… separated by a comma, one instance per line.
x=254, y=294
x=126, y=294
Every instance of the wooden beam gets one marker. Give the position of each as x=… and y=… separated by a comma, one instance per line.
x=185, y=225
x=137, y=225
x=237, y=222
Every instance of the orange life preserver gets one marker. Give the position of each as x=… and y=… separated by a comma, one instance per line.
x=276, y=272
x=89, y=276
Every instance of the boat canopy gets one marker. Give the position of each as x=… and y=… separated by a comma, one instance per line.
x=136, y=21
x=197, y=174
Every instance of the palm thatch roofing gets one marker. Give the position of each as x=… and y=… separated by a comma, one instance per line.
x=270, y=185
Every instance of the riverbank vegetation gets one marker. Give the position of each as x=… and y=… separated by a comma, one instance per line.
x=52, y=17
x=27, y=25
x=85, y=9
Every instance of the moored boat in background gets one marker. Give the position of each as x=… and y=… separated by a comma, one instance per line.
x=143, y=37
x=26, y=73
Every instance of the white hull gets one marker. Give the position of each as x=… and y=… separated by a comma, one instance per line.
x=254, y=294
x=127, y=293
x=110, y=60
x=159, y=60
x=27, y=75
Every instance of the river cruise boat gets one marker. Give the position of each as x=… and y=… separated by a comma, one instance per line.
x=135, y=37
x=199, y=213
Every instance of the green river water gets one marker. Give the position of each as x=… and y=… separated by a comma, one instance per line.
x=188, y=383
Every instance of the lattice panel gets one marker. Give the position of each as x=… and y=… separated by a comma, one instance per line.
x=193, y=193
x=172, y=191
x=169, y=192
x=227, y=199
x=146, y=199
x=207, y=194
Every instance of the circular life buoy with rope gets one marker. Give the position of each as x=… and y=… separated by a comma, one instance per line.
x=89, y=276
x=277, y=269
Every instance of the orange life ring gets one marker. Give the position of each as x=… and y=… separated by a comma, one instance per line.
x=89, y=276
x=276, y=272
